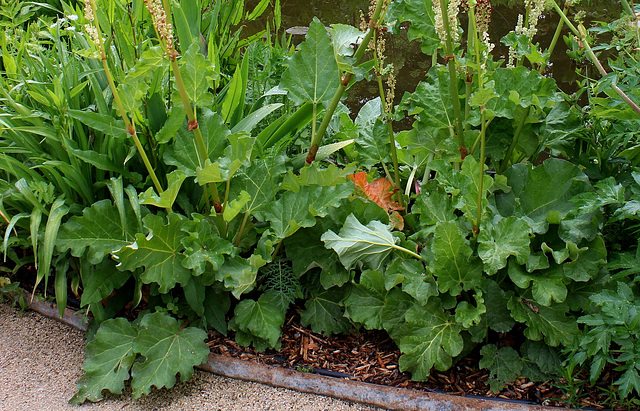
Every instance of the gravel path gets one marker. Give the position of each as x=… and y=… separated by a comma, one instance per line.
x=40, y=362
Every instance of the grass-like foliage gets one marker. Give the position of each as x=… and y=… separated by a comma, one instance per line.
x=195, y=176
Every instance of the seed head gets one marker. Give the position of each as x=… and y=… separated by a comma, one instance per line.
x=88, y=11
x=163, y=27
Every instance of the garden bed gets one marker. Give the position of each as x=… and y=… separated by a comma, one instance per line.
x=361, y=367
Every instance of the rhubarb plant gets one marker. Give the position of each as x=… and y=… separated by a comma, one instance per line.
x=198, y=179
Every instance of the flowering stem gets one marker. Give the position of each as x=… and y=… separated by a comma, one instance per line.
x=582, y=35
x=453, y=77
x=507, y=157
x=131, y=130
x=387, y=113
x=483, y=125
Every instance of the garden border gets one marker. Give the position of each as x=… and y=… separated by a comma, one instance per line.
x=391, y=398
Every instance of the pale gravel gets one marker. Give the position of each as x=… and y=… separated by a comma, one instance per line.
x=40, y=362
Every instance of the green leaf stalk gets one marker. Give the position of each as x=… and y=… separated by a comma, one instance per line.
x=581, y=33
x=453, y=76
x=131, y=130
x=375, y=20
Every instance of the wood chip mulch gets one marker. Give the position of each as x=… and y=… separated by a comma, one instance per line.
x=372, y=357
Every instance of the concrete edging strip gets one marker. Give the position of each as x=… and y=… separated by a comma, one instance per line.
x=391, y=398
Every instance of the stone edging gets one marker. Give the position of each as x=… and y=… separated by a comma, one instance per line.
x=390, y=398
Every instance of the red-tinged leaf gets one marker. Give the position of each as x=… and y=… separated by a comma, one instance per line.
x=379, y=191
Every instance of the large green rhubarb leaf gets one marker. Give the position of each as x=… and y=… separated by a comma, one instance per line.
x=312, y=75
x=261, y=181
x=295, y=210
x=236, y=155
x=504, y=365
x=307, y=252
x=430, y=338
x=531, y=88
x=198, y=74
x=160, y=253
x=100, y=281
x=108, y=358
x=184, y=152
x=366, y=301
x=263, y=318
x=203, y=245
x=373, y=144
x=420, y=14
x=356, y=243
x=548, y=284
x=497, y=242
x=111, y=234
x=453, y=265
x=325, y=313
x=552, y=322
x=344, y=37
x=432, y=105
x=414, y=279
x=168, y=196
x=541, y=195
x=168, y=349
x=239, y=274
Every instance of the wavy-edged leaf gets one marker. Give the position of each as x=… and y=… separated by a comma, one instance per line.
x=296, y=210
x=504, y=365
x=548, y=284
x=307, y=252
x=198, y=74
x=430, y=338
x=551, y=323
x=82, y=233
x=239, y=274
x=453, y=264
x=183, y=153
x=420, y=14
x=414, y=279
x=108, y=358
x=312, y=74
x=315, y=174
x=263, y=318
x=432, y=105
x=542, y=194
x=160, y=253
x=168, y=196
x=324, y=312
x=261, y=181
x=168, y=349
x=372, y=144
x=497, y=242
x=203, y=245
x=468, y=315
x=522, y=87
x=366, y=301
x=236, y=155
x=356, y=243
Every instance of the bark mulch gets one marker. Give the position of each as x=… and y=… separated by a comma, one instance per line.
x=372, y=357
